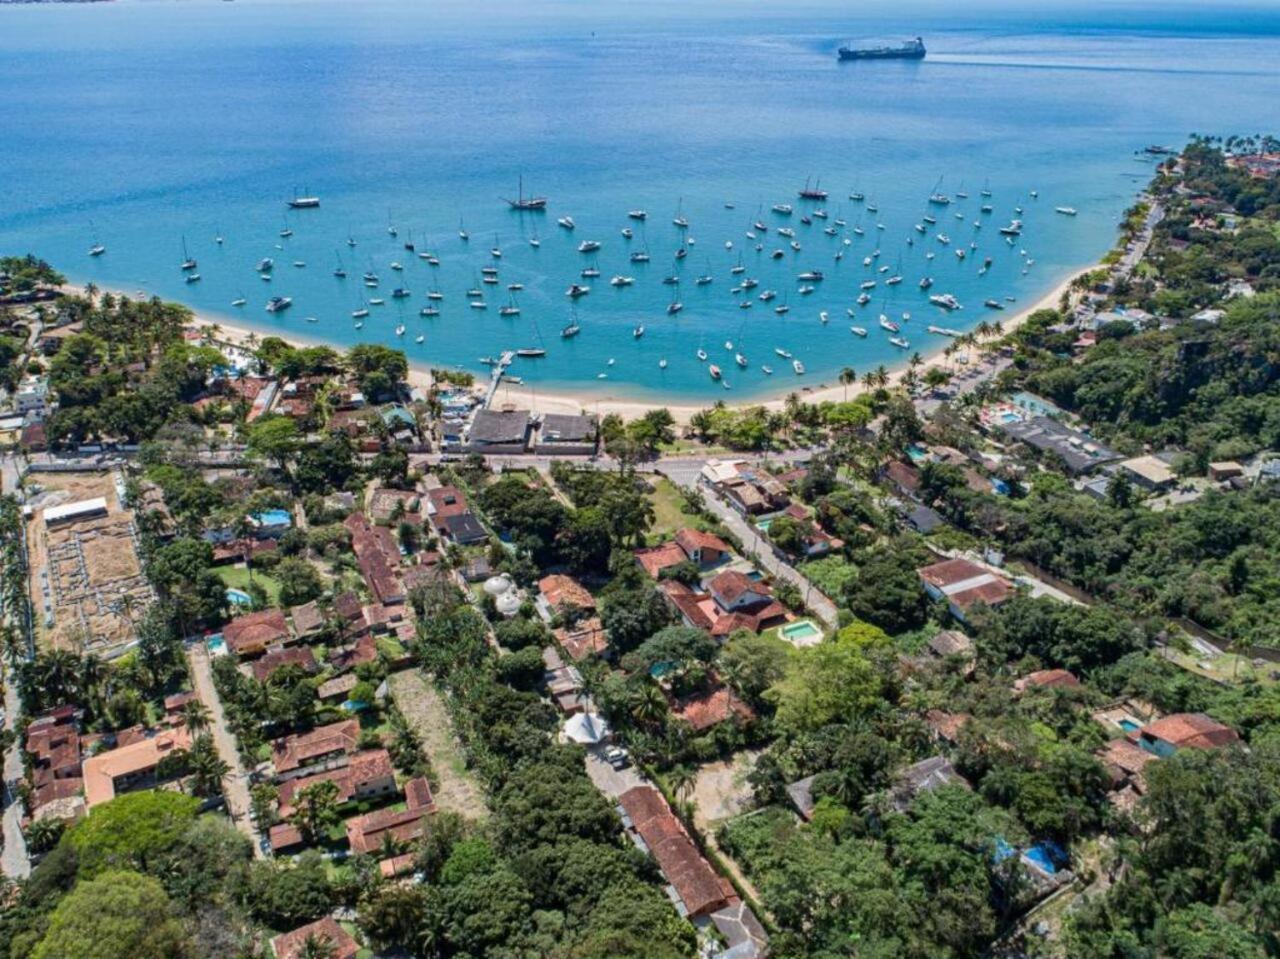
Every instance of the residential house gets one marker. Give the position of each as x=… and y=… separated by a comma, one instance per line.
x=924, y=776
x=325, y=747
x=131, y=766
x=698, y=888
x=710, y=708
x=292, y=945
x=1047, y=679
x=963, y=584
x=254, y=633
x=54, y=756
x=702, y=548
x=367, y=775
x=1166, y=736
x=451, y=517
x=266, y=665
x=559, y=593
x=378, y=557
x=369, y=832
x=1125, y=763
x=733, y=601
x=584, y=638
x=949, y=643
x=1150, y=472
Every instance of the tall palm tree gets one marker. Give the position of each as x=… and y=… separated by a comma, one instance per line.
x=207, y=767
x=649, y=705
x=682, y=780
x=195, y=717
x=848, y=376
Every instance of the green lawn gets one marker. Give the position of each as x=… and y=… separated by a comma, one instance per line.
x=830, y=574
x=237, y=577
x=669, y=511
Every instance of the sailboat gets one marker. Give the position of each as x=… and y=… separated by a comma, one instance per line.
x=534, y=241
x=97, y=249
x=675, y=306
x=523, y=202
x=681, y=222
x=339, y=271
x=572, y=329
x=510, y=309
x=188, y=261
x=240, y=300
x=463, y=235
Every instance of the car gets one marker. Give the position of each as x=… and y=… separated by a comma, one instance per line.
x=617, y=757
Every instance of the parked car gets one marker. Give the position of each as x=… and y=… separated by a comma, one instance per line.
x=617, y=757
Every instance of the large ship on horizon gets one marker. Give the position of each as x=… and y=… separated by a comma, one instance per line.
x=911, y=50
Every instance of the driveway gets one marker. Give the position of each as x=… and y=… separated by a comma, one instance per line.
x=753, y=542
x=235, y=785
x=611, y=782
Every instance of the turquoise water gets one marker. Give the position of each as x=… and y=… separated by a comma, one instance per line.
x=801, y=630
x=274, y=517
x=139, y=124
x=239, y=597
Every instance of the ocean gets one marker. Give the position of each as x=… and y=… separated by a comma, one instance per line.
x=147, y=125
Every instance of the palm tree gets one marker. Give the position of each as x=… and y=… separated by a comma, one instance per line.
x=207, y=767
x=316, y=946
x=847, y=376
x=195, y=717
x=881, y=377
x=682, y=780
x=649, y=705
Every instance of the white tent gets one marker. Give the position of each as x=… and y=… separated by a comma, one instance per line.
x=588, y=729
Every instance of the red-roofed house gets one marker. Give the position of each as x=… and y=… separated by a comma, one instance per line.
x=700, y=889
x=378, y=557
x=557, y=593
x=254, y=633
x=704, y=710
x=963, y=584
x=300, y=656
x=733, y=591
x=654, y=559
x=367, y=833
x=735, y=606
x=705, y=549
x=583, y=639
x=367, y=775
x=1166, y=736
x=325, y=747
x=1047, y=679
x=290, y=945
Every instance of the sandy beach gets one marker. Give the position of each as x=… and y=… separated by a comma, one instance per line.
x=529, y=396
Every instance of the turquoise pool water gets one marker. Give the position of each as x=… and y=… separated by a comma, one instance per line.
x=239, y=597
x=216, y=645
x=1129, y=726
x=273, y=517
x=764, y=525
x=802, y=630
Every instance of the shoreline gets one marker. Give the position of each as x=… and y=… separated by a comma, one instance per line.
x=561, y=400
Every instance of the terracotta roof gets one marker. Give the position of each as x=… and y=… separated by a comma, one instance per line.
x=1048, y=679
x=378, y=557
x=445, y=501
x=365, y=833
x=307, y=618
x=1127, y=757
x=396, y=866
x=417, y=794
x=302, y=656
x=284, y=836
x=965, y=583
x=255, y=631
x=364, y=650
x=690, y=539
x=583, y=639
x=946, y=725
x=101, y=771
x=1195, y=730
x=901, y=475
x=288, y=945
x=732, y=585
x=294, y=751
x=361, y=769
x=704, y=710
x=655, y=559
x=176, y=701
x=699, y=887
x=560, y=590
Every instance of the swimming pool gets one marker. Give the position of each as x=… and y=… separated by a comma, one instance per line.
x=1129, y=725
x=801, y=633
x=764, y=524
x=238, y=597
x=216, y=645
x=273, y=517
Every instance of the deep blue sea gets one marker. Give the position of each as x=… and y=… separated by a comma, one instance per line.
x=143, y=124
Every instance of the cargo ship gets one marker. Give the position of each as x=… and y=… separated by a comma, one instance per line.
x=911, y=50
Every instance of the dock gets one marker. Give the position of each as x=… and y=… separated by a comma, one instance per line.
x=495, y=377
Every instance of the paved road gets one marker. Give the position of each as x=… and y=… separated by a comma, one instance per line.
x=753, y=542
x=235, y=786
x=14, y=860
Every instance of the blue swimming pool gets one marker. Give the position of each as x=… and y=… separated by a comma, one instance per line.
x=238, y=597
x=273, y=517
x=216, y=645
x=1130, y=726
